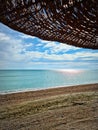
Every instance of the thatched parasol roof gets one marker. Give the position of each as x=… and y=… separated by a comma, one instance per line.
x=74, y=22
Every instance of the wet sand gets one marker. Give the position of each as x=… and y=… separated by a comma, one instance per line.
x=64, y=108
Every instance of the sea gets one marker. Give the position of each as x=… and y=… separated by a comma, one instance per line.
x=12, y=81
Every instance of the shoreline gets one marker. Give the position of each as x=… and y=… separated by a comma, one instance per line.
x=45, y=93
x=72, y=107
x=43, y=89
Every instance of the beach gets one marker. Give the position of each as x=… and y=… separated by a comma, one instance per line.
x=63, y=108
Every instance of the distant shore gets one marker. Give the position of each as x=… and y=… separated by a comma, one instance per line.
x=74, y=107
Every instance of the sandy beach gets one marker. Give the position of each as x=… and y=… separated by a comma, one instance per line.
x=64, y=108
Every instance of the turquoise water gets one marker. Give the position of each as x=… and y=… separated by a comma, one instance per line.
x=23, y=80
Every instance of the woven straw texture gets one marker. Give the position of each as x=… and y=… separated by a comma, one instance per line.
x=73, y=22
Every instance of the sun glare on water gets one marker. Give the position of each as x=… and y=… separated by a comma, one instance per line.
x=72, y=71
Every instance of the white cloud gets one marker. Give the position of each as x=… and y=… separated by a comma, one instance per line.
x=86, y=55
x=14, y=52
x=58, y=47
x=3, y=37
x=24, y=36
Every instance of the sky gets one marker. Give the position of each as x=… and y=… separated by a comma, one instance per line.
x=21, y=51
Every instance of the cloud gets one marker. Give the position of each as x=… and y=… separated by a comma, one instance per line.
x=3, y=37
x=86, y=55
x=24, y=36
x=11, y=48
x=59, y=47
x=23, y=51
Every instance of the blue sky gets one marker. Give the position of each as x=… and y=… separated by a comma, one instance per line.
x=20, y=51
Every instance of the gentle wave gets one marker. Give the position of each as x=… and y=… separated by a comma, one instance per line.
x=15, y=81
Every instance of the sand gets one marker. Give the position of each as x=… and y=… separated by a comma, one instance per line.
x=64, y=108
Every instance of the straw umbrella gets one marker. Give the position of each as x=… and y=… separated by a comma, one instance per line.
x=73, y=22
